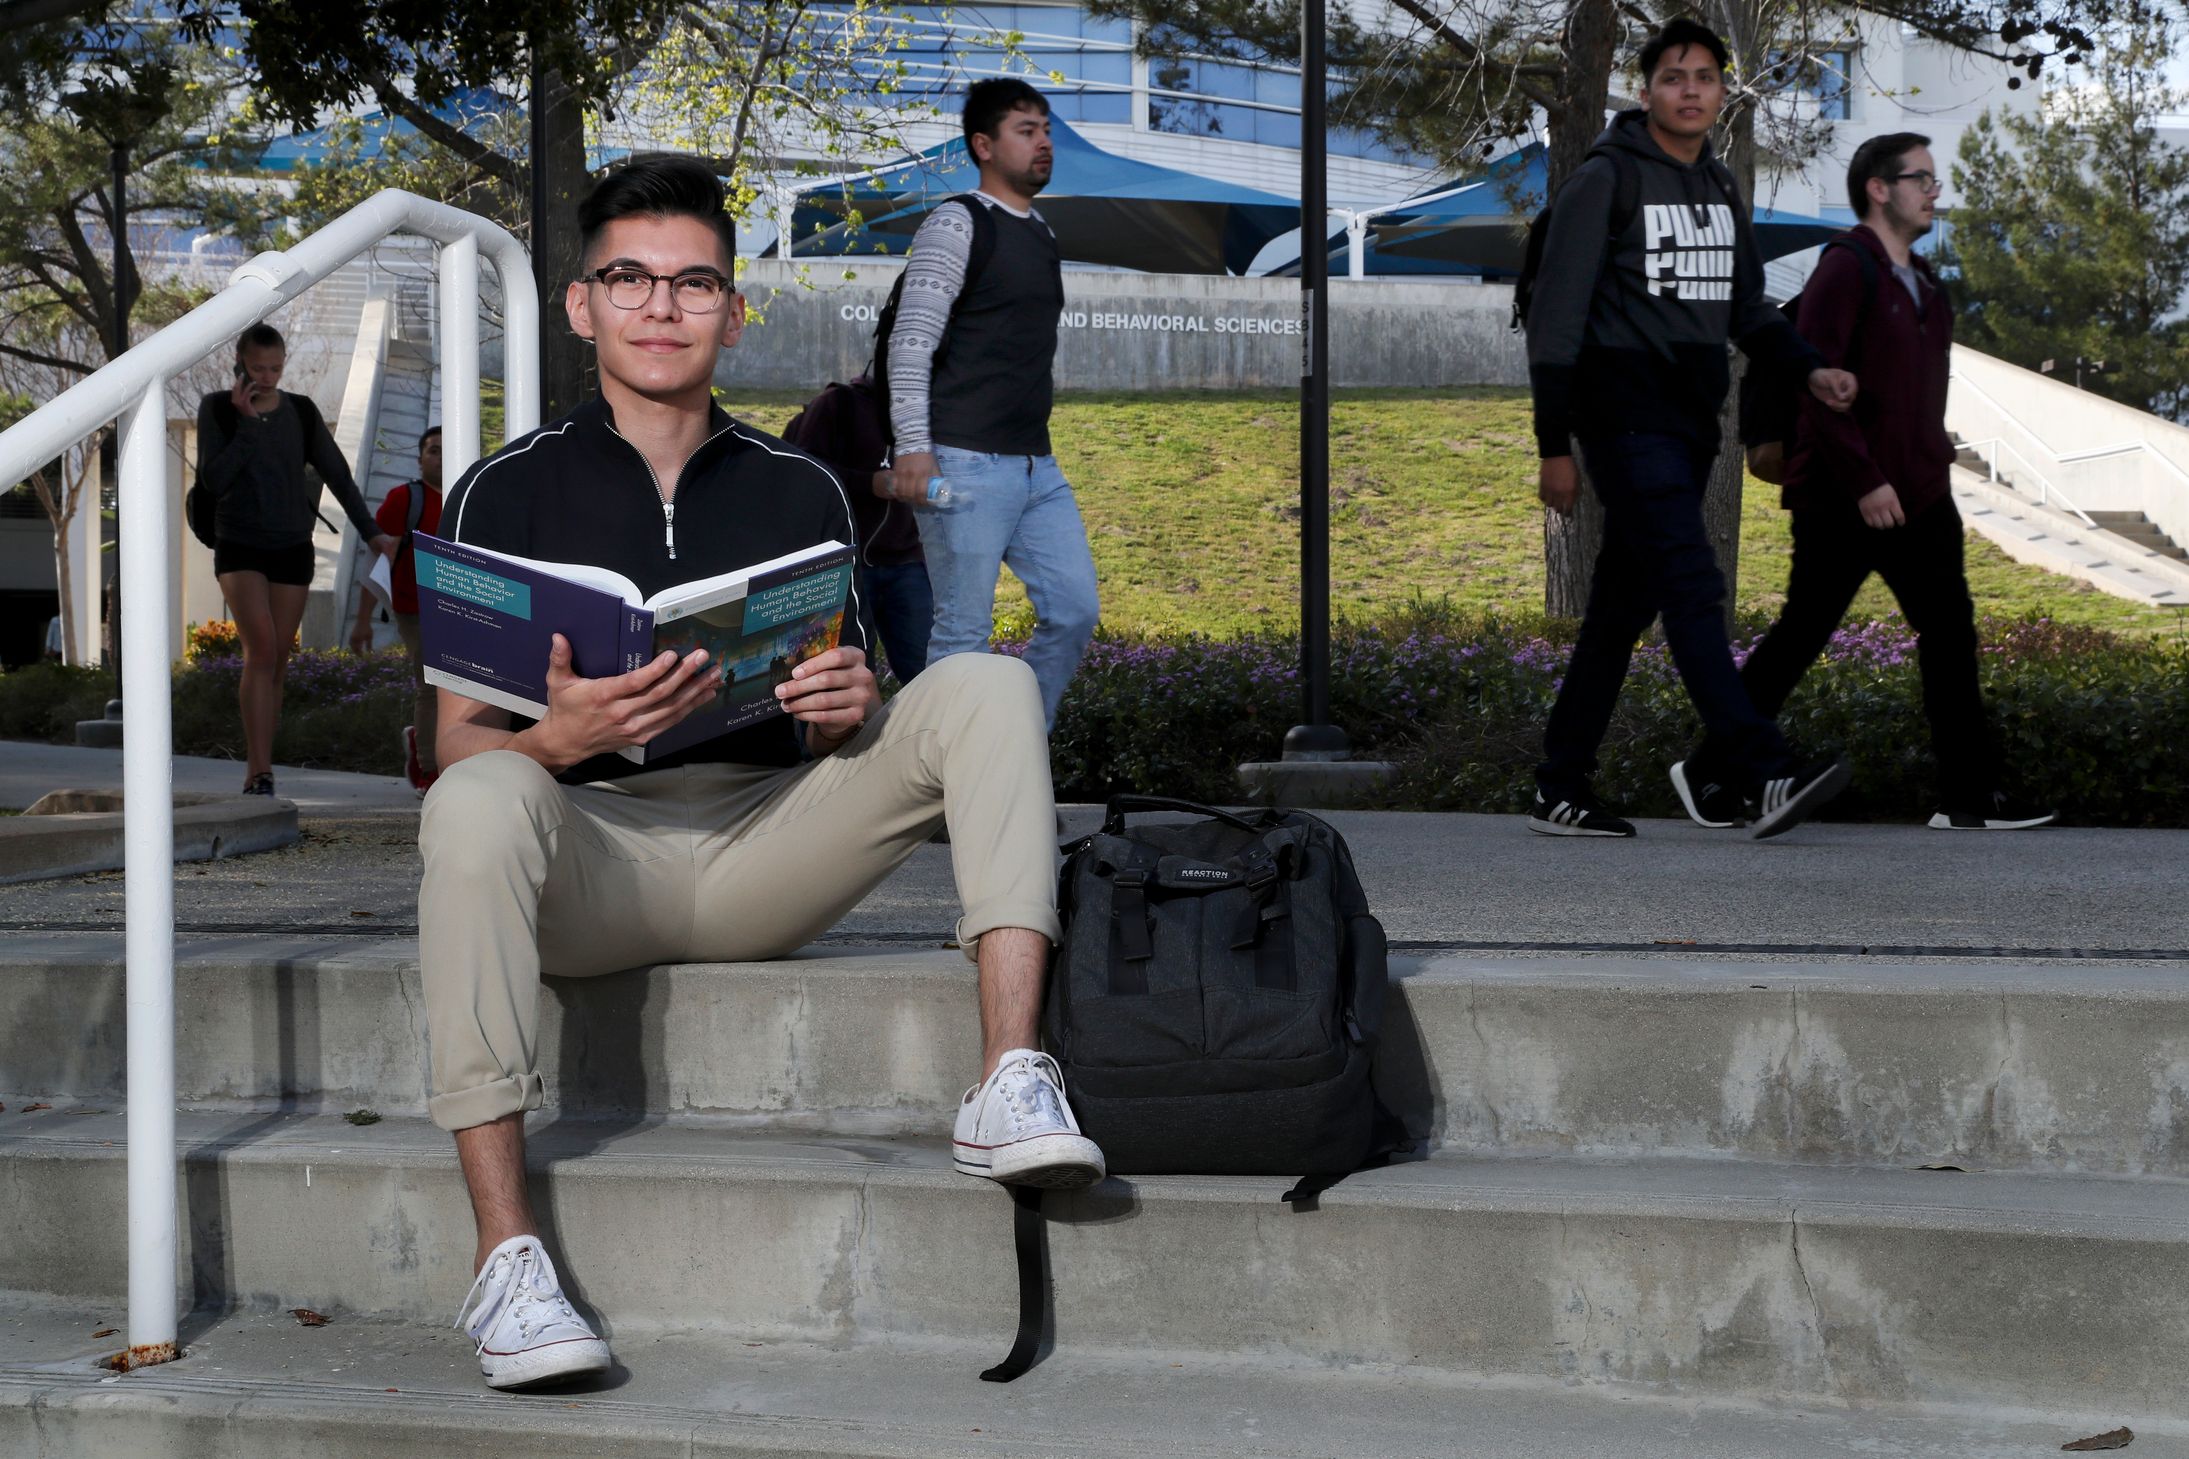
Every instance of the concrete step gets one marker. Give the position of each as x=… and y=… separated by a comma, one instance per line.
x=1694, y=1276
x=2067, y=1066
x=256, y=1386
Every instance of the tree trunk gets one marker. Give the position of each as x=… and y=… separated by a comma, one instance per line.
x=1570, y=544
x=566, y=362
x=1722, y=497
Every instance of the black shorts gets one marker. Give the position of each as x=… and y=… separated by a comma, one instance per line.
x=290, y=565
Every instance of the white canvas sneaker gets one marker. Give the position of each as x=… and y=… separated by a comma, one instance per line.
x=1015, y=1127
x=525, y=1327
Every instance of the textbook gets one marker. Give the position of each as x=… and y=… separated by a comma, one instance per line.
x=486, y=620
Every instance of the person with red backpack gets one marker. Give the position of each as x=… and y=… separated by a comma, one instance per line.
x=846, y=427
x=1870, y=490
x=405, y=511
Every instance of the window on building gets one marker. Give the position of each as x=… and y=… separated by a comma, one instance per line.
x=1825, y=77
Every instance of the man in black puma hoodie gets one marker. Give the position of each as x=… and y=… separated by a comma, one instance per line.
x=1649, y=268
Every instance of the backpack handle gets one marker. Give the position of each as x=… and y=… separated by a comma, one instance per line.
x=1122, y=806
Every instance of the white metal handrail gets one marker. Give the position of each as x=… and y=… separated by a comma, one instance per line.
x=133, y=388
x=2046, y=491
x=2124, y=448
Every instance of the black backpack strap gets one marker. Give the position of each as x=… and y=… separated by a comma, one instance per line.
x=1122, y=806
x=1131, y=947
x=1030, y=1237
x=983, y=246
x=1626, y=190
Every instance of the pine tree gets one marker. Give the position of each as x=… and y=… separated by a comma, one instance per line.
x=2073, y=237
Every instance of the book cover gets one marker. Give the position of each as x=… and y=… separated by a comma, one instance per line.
x=487, y=619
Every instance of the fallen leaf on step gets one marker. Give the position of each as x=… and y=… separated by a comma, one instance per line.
x=87, y=1111
x=1673, y=941
x=2119, y=1438
x=360, y=914
x=1954, y=1167
x=306, y=1317
x=363, y=1117
x=106, y=1332
x=31, y=1109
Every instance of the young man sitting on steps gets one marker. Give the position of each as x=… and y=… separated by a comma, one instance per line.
x=546, y=852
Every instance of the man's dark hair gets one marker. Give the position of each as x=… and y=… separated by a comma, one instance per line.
x=1677, y=34
x=426, y=435
x=990, y=101
x=259, y=337
x=658, y=187
x=1878, y=157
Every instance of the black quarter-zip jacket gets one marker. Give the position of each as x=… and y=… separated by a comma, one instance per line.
x=575, y=490
x=1628, y=332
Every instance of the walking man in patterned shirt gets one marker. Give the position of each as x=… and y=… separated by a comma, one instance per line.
x=971, y=378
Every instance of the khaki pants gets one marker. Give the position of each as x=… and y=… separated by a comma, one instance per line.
x=425, y=714
x=714, y=863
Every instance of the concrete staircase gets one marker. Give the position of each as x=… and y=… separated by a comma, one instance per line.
x=2141, y=530
x=1676, y=1208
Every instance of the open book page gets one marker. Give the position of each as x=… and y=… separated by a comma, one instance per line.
x=698, y=596
x=583, y=573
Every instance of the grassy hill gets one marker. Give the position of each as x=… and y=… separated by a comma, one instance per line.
x=1191, y=502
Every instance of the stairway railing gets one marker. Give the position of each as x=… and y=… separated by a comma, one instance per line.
x=133, y=388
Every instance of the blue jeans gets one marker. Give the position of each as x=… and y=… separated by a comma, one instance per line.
x=1017, y=510
x=899, y=612
x=1656, y=560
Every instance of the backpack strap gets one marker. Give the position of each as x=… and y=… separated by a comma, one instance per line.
x=416, y=511
x=983, y=246
x=1131, y=947
x=1626, y=189
x=1030, y=1238
x=1866, y=266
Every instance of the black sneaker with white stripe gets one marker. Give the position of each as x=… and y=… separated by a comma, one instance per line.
x=1785, y=801
x=1999, y=812
x=1580, y=814
x=1708, y=801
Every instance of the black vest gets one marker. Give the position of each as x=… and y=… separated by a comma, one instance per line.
x=995, y=373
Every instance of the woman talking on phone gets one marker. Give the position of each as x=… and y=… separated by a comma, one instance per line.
x=254, y=441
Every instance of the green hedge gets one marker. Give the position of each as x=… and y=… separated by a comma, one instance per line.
x=2094, y=724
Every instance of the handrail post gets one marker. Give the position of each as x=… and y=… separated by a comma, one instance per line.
x=148, y=566
x=460, y=355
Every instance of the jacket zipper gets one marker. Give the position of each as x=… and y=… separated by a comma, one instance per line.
x=668, y=503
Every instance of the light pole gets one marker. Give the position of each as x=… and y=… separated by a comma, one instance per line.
x=1315, y=737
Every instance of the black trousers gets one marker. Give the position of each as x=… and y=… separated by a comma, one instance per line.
x=1923, y=563
x=1656, y=562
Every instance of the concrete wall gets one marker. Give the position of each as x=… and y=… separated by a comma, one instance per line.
x=1155, y=331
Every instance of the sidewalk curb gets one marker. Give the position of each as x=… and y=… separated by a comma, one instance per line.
x=207, y=828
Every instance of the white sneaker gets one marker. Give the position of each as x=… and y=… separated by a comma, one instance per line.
x=1015, y=1127
x=526, y=1330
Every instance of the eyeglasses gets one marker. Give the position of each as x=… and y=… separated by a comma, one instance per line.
x=1926, y=181
x=696, y=291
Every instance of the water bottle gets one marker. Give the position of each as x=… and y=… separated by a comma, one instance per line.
x=938, y=492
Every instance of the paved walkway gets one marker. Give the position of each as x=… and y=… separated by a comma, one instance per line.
x=29, y=770
x=1454, y=881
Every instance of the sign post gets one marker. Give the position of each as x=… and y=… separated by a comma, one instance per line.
x=1315, y=737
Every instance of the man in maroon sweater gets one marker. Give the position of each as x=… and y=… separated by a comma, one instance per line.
x=1869, y=490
